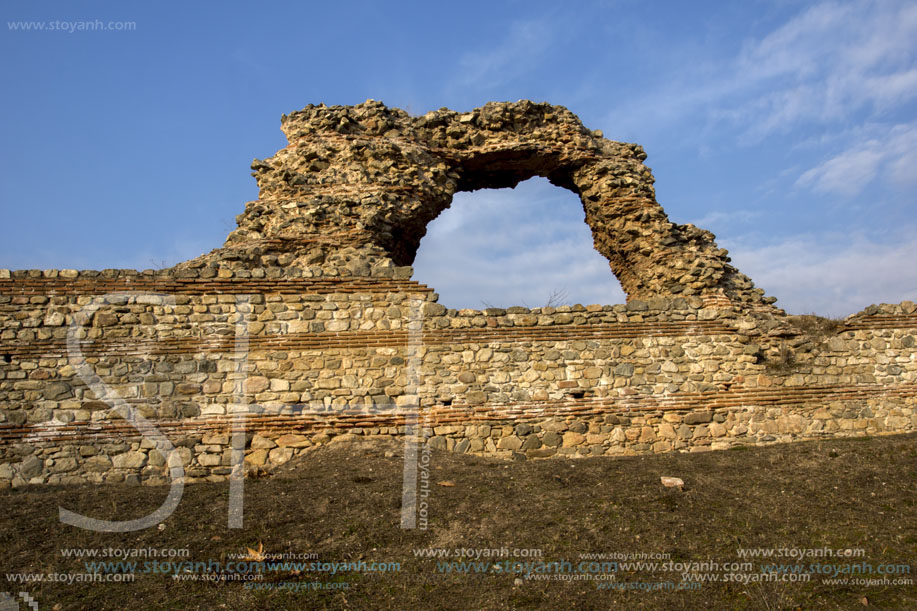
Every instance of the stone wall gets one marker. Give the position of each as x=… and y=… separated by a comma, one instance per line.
x=306, y=329
x=330, y=359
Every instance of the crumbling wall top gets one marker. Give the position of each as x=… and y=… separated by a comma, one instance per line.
x=354, y=190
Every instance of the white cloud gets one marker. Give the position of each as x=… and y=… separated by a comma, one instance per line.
x=846, y=174
x=891, y=89
x=880, y=150
x=788, y=49
x=835, y=275
x=514, y=247
x=524, y=44
x=903, y=170
x=820, y=67
x=827, y=63
x=902, y=153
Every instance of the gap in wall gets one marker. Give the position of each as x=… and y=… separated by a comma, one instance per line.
x=528, y=246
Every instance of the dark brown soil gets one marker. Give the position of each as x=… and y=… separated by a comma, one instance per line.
x=343, y=504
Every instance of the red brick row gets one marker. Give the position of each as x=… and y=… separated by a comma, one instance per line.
x=902, y=321
x=202, y=286
x=368, y=339
x=316, y=421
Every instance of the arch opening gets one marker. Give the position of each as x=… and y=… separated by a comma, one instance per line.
x=357, y=186
x=523, y=246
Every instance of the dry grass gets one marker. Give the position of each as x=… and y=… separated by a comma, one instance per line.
x=343, y=504
x=809, y=335
x=817, y=327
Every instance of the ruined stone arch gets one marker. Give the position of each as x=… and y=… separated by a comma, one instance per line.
x=356, y=187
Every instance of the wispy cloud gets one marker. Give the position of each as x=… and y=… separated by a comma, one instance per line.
x=827, y=63
x=820, y=66
x=514, y=247
x=889, y=152
x=845, y=174
x=519, y=51
x=831, y=275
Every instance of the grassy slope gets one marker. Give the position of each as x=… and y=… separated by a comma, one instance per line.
x=343, y=503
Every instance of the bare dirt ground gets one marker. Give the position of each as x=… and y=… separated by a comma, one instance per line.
x=338, y=510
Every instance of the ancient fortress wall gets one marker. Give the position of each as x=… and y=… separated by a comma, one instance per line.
x=306, y=329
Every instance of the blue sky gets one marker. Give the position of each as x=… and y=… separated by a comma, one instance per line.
x=789, y=129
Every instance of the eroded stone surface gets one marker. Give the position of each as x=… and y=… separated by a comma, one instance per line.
x=308, y=316
x=353, y=193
